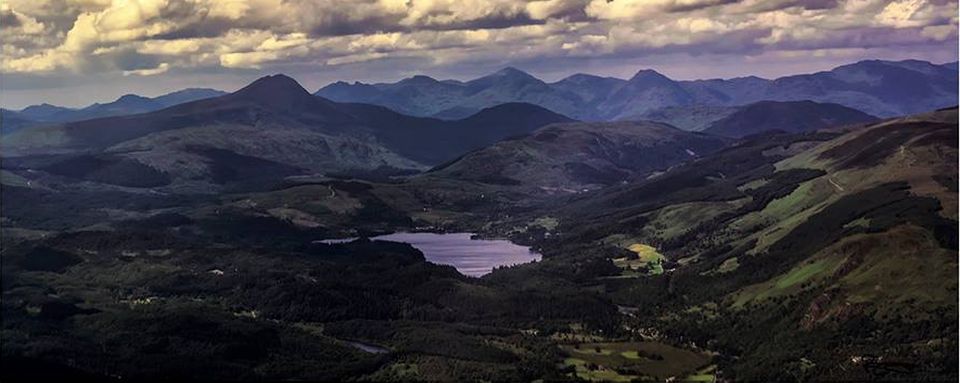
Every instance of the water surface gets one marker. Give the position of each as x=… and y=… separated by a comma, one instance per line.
x=473, y=257
x=367, y=347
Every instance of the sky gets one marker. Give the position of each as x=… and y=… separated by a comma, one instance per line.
x=76, y=52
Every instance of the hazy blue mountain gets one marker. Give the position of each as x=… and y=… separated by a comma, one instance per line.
x=45, y=112
x=425, y=96
x=880, y=88
x=513, y=85
x=590, y=88
x=342, y=91
x=11, y=121
x=416, y=96
x=126, y=104
x=187, y=95
x=727, y=91
x=645, y=91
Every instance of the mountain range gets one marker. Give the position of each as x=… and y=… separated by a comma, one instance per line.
x=274, y=125
x=274, y=128
x=756, y=240
x=876, y=87
x=126, y=104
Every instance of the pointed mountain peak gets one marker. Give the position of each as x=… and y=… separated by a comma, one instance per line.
x=650, y=78
x=276, y=91
x=509, y=76
x=275, y=85
x=281, y=94
x=511, y=72
x=646, y=74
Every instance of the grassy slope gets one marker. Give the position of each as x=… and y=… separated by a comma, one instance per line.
x=841, y=245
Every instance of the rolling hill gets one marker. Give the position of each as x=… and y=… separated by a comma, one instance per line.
x=791, y=117
x=569, y=157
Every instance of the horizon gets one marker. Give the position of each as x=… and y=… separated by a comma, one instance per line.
x=316, y=88
x=72, y=53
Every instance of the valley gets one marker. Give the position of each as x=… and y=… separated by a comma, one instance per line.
x=782, y=241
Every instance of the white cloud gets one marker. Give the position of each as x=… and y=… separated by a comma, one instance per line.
x=104, y=36
x=162, y=68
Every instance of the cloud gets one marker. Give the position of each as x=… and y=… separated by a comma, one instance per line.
x=162, y=68
x=151, y=37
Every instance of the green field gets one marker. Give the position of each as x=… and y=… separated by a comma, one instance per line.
x=625, y=361
x=647, y=259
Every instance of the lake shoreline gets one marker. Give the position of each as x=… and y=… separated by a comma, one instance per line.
x=469, y=253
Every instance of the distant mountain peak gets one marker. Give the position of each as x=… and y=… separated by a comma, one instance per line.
x=419, y=80
x=193, y=90
x=131, y=97
x=43, y=106
x=648, y=74
x=277, y=90
x=273, y=83
x=512, y=72
x=579, y=78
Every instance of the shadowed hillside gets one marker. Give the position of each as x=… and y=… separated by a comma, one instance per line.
x=790, y=117
x=273, y=120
